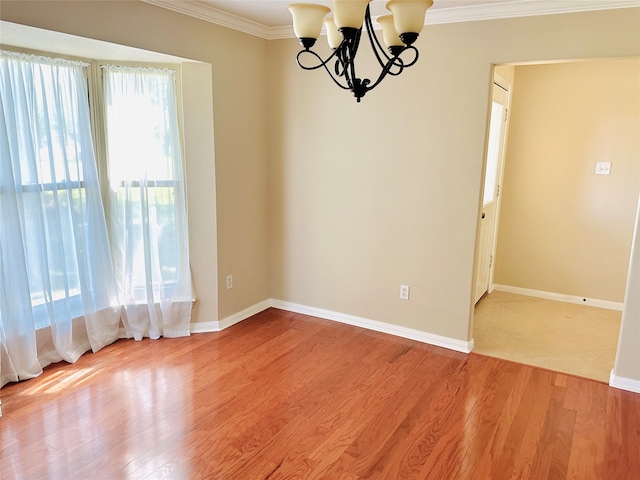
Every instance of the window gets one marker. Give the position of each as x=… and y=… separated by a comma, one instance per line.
x=50, y=201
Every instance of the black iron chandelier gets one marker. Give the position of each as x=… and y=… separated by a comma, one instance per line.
x=399, y=31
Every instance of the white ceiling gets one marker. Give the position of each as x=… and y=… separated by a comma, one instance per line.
x=270, y=18
x=272, y=13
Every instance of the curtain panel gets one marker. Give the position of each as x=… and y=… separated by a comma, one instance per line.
x=148, y=220
x=58, y=295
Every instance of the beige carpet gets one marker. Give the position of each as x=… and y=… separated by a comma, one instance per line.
x=559, y=336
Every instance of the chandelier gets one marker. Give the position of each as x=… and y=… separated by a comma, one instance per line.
x=399, y=31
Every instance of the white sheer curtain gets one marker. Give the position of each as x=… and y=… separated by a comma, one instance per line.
x=147, y=201
x=58, y=296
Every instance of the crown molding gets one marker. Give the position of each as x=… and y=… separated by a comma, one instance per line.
x=214, y=15
x=522, y=8
x=511, y=9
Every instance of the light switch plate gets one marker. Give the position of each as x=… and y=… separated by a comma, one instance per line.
x=603, y=168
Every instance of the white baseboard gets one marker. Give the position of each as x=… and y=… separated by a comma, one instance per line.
x=559, y=297
x=244, y=314
x=204, y=327
x=623, y=383
x=404, y=332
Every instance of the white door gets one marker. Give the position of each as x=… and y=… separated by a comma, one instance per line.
x=493, y=172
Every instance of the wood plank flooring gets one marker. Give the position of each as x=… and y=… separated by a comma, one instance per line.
x=284, y=395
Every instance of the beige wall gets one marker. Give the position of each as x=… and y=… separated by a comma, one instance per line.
x=236, y=184
x=505, y=72
x=564, y=229
x=365, y=197
x=627, y=364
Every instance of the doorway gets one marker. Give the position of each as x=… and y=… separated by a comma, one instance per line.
x=562, y=234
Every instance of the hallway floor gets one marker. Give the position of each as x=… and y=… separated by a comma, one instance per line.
x=558, y=336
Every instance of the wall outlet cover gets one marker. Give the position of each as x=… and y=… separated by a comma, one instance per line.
x=404, y=292
x=603, y=168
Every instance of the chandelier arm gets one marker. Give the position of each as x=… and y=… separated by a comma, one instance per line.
x=339, y=67
x=336, y=81
x=386, y=70
x=373, y=39
x=415, y=59
x=356, y=43
x=346, y=62
x=350, y=55
x=398, y=62
x=323, y=63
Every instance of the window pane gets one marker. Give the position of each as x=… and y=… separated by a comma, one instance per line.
x=148, y=221
x=495, y=133
x=139, y=135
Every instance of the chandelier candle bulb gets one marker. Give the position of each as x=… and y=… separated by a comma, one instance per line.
x=307, y=21
x=334, y=39
x=349, y=13
x=408, y=17
x=389, y=34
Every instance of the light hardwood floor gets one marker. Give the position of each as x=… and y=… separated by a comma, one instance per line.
x=283, y=395
x=561, y=336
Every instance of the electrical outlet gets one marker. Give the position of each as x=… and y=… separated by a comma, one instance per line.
x=229, y=281
x=404, y=292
